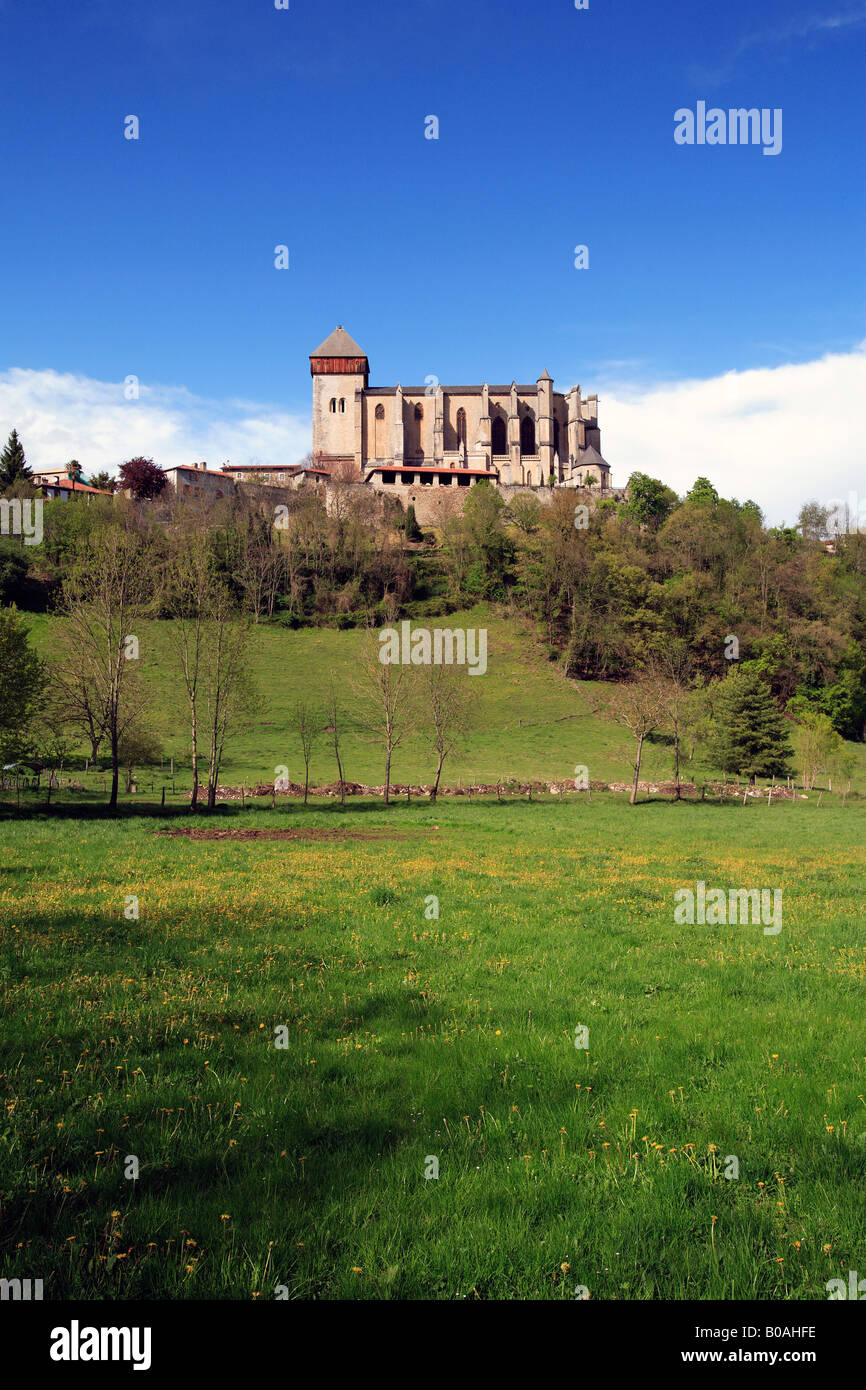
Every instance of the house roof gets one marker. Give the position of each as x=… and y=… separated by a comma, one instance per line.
x=590, y=455
x=191, y=468
x=72, y=486
x=338, y=344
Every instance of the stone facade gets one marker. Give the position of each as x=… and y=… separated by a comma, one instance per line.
x=416, y=441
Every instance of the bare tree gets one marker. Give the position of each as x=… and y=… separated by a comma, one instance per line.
x=383, y=689
x=334, y=715
x=226, y=687
x=261, y=571
x=307, y=725
x=672, y=668
x=75, y=697
x=190, y=589
x=106, y=593
x=446, y=697
x=637, y=706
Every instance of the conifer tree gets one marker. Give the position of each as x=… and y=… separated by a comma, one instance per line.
x=13, y=464
x=750, y=734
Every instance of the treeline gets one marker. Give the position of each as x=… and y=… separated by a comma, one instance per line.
x=214, y=572
x=609, y=585
x=612, y=585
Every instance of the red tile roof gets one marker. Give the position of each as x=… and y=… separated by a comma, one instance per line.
x=71, y=486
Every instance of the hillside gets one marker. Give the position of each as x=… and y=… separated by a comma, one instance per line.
x=528, y=722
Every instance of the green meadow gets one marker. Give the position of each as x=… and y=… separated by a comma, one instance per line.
x=416, y=1043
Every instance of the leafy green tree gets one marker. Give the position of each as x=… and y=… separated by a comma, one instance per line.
x=650, y=502
x=13, y=464
x=750, y=734
x=103, y=481
x=817, y=745
x=22, y=682
x=413, y=530
x=703, y=493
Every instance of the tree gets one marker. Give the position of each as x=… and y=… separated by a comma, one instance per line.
x=190, y=591
x=227, y=690
x=703, y=493
x=260, y=570
x=446, y=699
x=78, y=701
x=637, y=706
x=103, y=481
x=106, y=593
x=137, y=745
x=412, y=530
x=307, y=726
x=13, y=464
x=814, y=520
x=142, y=477
x=650, y=502
x=22, y=682
x=817, y=744
x=524, y=512
x=673, y=667
x=383, y=691
x=334, y=716
x=750, y=735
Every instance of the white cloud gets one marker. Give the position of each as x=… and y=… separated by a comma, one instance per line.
x=780, y=435
x=62, y=416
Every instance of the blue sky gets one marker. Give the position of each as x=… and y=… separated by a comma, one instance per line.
x=451, y=256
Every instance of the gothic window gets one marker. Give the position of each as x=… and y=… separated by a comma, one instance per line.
x=378, y=435
x=499, y=436
x=555, y=436
x=461, y=427
x=419, y=412
x=527, y=436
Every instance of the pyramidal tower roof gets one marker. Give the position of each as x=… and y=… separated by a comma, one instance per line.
x=338, y=344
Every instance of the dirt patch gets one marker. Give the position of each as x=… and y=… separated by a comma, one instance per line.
x=194, y=832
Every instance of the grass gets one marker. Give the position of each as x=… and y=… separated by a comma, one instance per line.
x=412, y=1038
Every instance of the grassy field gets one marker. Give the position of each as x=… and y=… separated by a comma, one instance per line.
x=412, y=1038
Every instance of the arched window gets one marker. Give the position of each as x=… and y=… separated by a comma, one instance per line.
x=333, y=405
x=527, y=435
x=499, y=435
x=342, y=406
x=380, y=412
x=555, y=435
x=419, y=412
x=461, y=427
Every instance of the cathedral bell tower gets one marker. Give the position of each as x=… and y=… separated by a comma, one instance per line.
x=339, y=369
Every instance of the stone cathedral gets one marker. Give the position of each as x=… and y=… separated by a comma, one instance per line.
x=416, y=441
